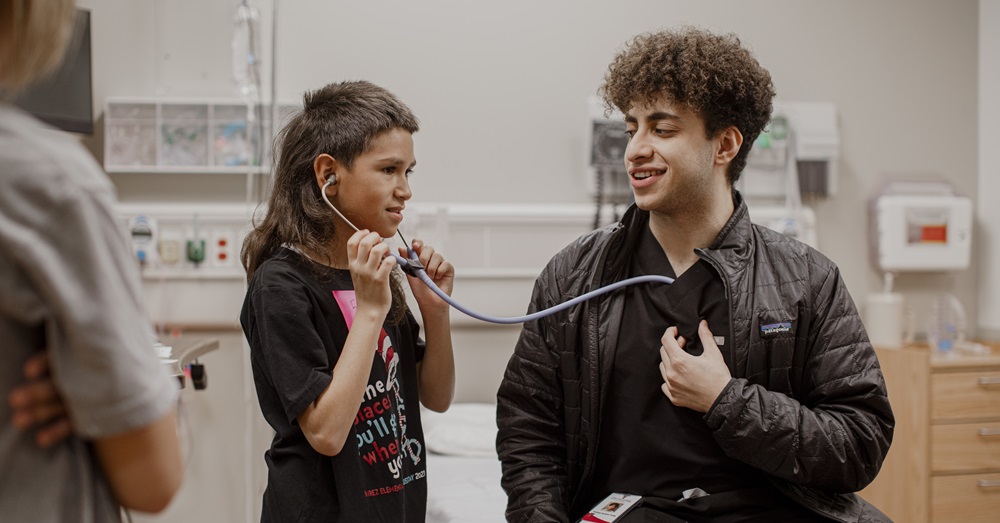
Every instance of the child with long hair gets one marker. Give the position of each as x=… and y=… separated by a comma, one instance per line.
x=337, y=358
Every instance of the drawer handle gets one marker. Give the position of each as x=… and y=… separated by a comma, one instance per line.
x=988, y=483
x=986, y=382
x=989, y=432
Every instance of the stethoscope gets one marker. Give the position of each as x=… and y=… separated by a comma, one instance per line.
x=413, y=267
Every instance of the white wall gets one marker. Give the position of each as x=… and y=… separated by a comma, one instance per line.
x=501, y=88
x=989, y=182
x=223, y=438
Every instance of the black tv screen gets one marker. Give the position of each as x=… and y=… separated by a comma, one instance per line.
x=64, y=98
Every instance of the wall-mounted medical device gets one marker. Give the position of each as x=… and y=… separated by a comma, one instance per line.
x=142, y=237
x=802, y=141
x=606, y=177
x=920, y=226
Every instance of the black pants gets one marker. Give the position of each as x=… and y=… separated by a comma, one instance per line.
x=717, y=509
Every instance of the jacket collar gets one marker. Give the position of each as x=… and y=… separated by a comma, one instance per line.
x=732, y=246
x=624, y=237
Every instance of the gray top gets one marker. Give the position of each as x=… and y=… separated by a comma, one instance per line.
x=68, y=283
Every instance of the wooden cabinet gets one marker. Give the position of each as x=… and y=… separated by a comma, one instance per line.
x=944, y=462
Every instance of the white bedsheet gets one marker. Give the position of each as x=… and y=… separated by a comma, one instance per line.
x=463, y=472
x=462, y=489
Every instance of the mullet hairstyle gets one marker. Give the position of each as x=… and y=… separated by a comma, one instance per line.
x=33, y=39
x=714, y=75
x=342, y=120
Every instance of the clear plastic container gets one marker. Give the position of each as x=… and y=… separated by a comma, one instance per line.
x=946, y=324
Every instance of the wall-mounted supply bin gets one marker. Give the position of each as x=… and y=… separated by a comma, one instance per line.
x=154, y=135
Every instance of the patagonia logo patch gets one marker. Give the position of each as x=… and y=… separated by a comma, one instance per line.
x=773, y=329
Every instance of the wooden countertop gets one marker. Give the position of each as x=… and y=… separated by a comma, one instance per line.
x=958, y=359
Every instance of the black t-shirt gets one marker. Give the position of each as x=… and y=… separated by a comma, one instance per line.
x=295, y=317
x=647, y=445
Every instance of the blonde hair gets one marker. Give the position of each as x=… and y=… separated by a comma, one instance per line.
x=33, y=39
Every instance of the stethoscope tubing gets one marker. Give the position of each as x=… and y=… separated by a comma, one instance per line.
x=421, y=274
x=413, y=267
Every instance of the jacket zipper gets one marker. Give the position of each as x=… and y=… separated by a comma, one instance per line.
x=595, y=375
x=703, y=254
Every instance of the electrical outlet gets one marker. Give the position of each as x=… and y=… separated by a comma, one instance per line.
x=222, y=248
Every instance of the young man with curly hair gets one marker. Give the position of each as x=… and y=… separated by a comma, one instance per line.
x=747, y=390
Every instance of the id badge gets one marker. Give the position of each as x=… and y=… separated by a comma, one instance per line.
x=611, y=508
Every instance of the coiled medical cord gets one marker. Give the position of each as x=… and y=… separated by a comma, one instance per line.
x=413, y=267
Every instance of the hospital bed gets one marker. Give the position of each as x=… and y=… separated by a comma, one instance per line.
x=463, y=472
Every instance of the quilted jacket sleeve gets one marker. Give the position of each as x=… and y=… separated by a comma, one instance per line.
x=836, y=434
x=531, y=439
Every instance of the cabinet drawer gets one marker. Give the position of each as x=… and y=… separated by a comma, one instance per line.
x=965, y=447
x=969, y=498
x=965, y=395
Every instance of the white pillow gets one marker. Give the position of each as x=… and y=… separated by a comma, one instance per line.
x=466, y=429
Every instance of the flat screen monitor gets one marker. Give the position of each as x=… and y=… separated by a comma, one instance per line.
x=64, y=98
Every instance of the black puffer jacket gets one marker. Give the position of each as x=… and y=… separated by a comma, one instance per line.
x=807, y=406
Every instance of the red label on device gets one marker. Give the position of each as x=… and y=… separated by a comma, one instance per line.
x=934, y=233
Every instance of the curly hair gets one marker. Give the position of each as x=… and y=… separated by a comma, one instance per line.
x=712, y=74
